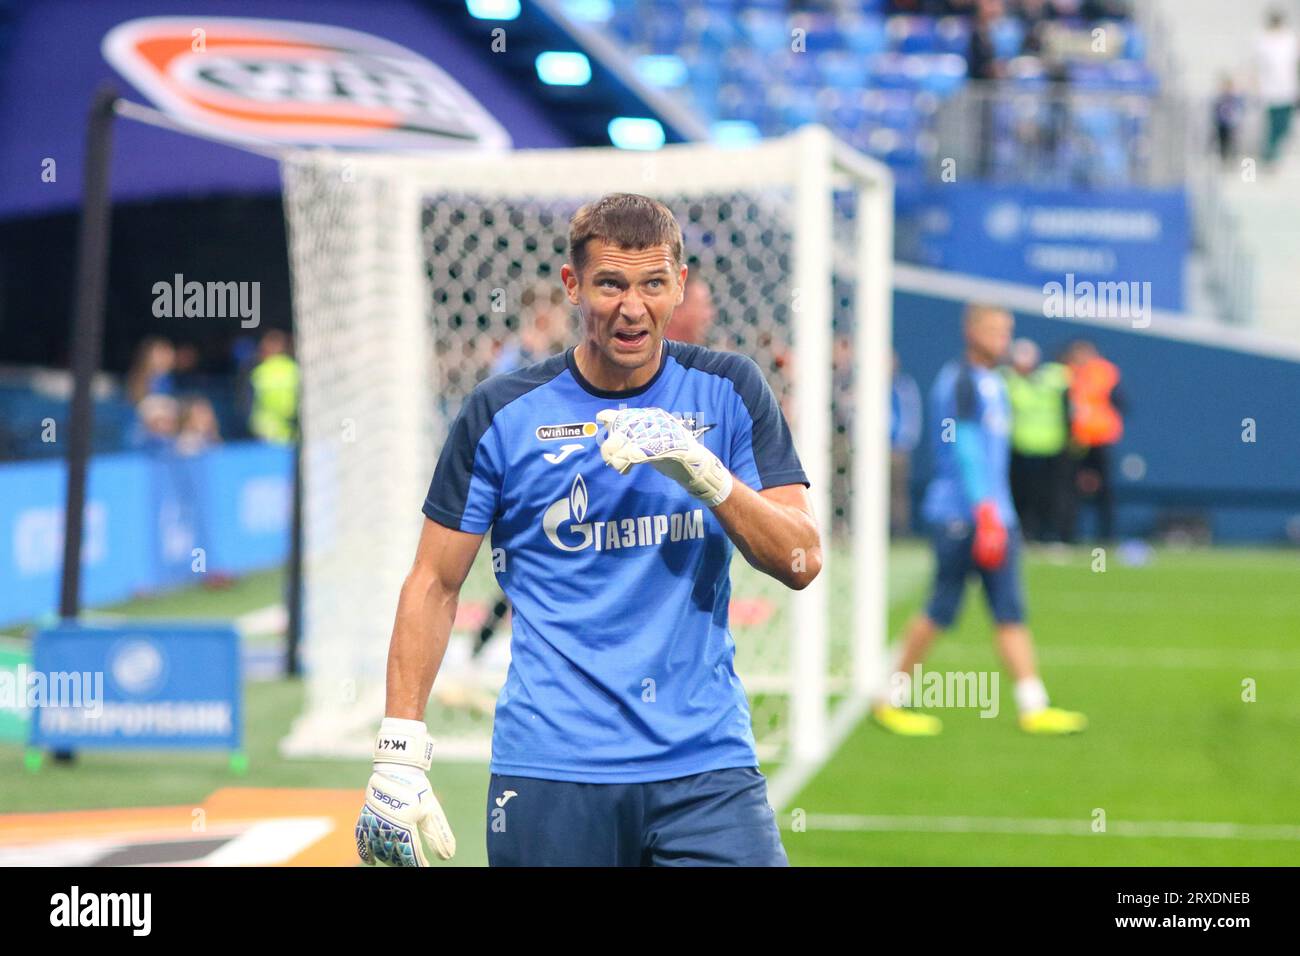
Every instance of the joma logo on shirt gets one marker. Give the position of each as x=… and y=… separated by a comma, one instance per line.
x=641, y=531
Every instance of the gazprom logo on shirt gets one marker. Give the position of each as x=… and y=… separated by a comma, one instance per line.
x=566, y=526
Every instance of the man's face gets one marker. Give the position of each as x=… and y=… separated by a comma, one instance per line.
x=989, y=334
x=626, y=297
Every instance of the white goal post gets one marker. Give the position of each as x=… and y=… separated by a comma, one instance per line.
x=411, y=270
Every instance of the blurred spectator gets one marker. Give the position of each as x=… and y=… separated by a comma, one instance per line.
x=982, y=61
x=691, y=321
x=243, y=352
x=199, y=430
x=151, y=370
x=1278, y=59
x=157, y=422
x=1095, y=426
x=275, y=391
x=904, y=434
x=1040, y=431
x=1228, y=110
x=543, y=328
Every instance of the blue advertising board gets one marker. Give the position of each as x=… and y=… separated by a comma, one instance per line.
x=1034, y=237
x=136, y=686
x=151, y=521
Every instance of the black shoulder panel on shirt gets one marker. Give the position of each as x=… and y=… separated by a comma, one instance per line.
x=774, y=453
x=451, y=479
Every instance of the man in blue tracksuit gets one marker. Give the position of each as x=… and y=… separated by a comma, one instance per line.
x=973, y=529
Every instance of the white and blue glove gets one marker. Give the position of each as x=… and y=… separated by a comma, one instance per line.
x=402, y=820
x=639, y=435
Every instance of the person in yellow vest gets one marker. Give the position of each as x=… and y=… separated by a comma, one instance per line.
x=1040, y=434
x=1096, y=425
x=274, y=381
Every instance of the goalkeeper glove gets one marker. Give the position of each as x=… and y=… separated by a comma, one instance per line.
x=401, y=818
x=989, y=548
x=651, y=435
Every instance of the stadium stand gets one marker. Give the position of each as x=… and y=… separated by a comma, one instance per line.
x=881, y=74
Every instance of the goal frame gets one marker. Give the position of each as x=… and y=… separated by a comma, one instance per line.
x=810, y=162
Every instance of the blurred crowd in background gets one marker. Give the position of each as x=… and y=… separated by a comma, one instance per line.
x=1066, y=417
x=168, y=400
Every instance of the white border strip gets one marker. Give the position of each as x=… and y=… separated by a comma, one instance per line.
x=957, y=287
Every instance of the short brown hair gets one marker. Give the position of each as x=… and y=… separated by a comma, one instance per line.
x=626, y=220
x=977, y=310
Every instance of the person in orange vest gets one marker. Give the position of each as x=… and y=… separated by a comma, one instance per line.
x=1096, y=425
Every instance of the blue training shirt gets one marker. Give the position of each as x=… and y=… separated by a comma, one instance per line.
x=621, y=664
x=975, y=400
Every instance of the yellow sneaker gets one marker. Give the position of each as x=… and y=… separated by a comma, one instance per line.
x=1053, y=720
x=899, y=720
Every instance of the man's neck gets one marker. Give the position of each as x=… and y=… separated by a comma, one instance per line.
x=613, y=378
x=977, y=359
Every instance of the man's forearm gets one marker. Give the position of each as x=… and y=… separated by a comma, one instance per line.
x=780, y=540
x=425, y=612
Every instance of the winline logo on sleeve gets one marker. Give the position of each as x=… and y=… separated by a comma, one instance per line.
x=283, y=82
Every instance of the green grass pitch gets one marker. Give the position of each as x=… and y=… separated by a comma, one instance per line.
x=1158, y=656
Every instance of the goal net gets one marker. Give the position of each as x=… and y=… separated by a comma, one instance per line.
x=415, y=276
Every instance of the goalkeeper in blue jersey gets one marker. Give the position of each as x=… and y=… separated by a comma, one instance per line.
x=616, y=479
x=974, y=530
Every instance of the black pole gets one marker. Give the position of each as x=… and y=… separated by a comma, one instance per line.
x=87, y=335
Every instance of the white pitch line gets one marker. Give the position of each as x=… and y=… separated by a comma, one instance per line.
x=1161, y=829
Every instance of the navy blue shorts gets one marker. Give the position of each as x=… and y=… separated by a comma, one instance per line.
x=716, y=818
x=954, y=564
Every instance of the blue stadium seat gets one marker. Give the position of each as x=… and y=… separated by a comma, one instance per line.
x=845, y=71
x=895, y=71
x=766, y=30
x=626, y=24
x=821, y=33
x=799, y=111
x=1135, y=43
x=1008, y=37
x=1132, y=76
x=667, y=33
x=952, y=35
x=738, y=101
x=712, y=30
x=911, y=34
x=802, y=69
x=946, y=74
x=865, y=35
